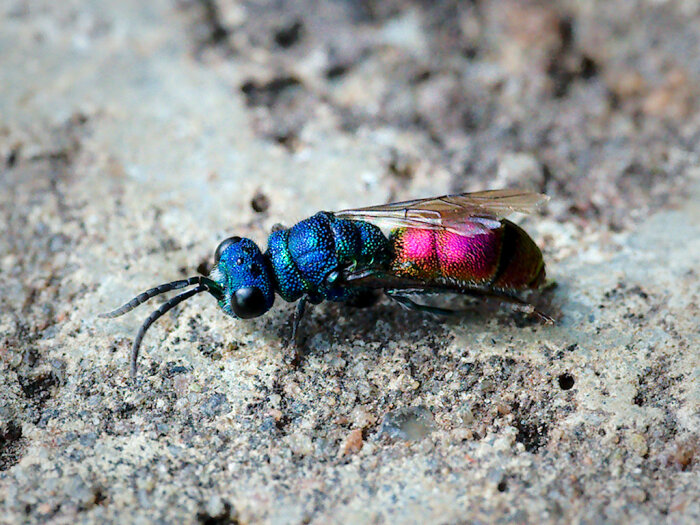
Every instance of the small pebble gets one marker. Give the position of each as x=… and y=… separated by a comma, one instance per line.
x=353, y=443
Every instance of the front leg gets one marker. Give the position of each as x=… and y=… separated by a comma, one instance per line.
x=298, y=314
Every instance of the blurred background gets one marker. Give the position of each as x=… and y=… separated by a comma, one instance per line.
x=134, y=136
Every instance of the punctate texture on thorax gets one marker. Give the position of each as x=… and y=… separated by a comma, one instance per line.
x=304, y=255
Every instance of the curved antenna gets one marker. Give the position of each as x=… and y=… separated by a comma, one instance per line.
x=163, y=309
x=212, y=287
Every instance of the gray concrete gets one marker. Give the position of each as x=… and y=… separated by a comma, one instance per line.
x=134, y=136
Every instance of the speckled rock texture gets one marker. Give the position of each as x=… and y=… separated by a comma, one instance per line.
x=134, y=136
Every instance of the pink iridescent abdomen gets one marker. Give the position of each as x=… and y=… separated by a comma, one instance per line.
x=502, y=258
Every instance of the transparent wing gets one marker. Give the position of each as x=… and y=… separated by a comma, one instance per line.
x=463, y=213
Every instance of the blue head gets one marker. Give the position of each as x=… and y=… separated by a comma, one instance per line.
x=243, y=277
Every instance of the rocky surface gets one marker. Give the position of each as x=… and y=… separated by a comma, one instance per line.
x=134, y=136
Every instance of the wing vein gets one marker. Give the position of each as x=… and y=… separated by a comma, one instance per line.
x=463, y=213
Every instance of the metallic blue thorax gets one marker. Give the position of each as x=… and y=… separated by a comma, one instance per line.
x=304, y=257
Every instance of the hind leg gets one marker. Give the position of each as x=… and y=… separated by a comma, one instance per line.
x=412, y=305
x=400, y=297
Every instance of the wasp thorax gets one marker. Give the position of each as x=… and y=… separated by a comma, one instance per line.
x=241, y=271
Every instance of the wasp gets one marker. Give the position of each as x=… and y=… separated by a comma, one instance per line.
x=450, y=244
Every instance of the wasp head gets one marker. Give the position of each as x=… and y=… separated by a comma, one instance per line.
x=242, y=273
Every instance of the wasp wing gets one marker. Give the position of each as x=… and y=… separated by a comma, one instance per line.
x=463, y=213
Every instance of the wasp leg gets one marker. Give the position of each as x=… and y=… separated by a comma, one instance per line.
x=513, y=299
x=298, y=315
x=412, y=305
x=397, y=295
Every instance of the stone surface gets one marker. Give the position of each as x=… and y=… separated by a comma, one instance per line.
x=134, y=136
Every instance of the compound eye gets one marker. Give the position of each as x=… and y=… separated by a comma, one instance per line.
x=248, y=302
x=222, y=247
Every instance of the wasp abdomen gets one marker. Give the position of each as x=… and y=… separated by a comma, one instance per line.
x=504, y=258
x=520, y=263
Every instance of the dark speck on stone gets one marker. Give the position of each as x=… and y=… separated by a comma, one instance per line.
x=268, y=425
x=47, y=416
x=57, y=242
x=50, y=332
x=215, y=405
x=68, y=437
x=88, y=440
x=410, y=423
x=298, y=407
